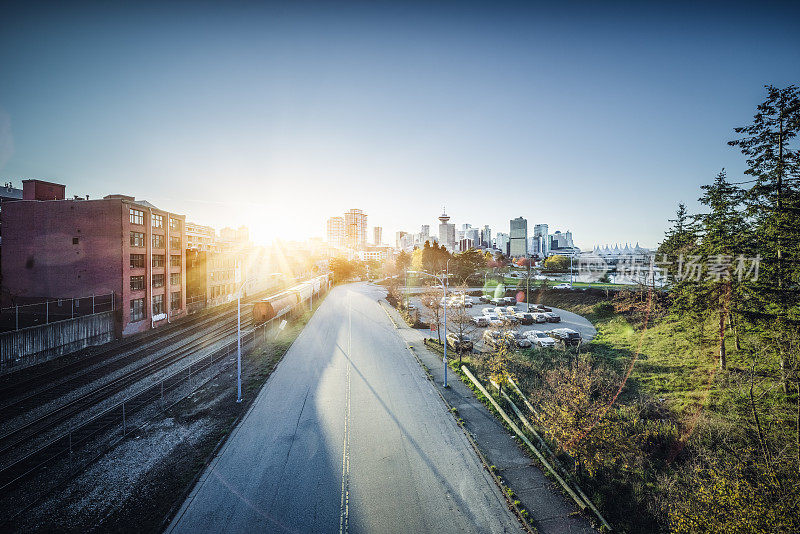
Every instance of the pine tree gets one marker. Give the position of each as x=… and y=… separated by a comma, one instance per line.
x=773, y=160
x=724, y=232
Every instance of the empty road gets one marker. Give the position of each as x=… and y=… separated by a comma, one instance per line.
x=347, y=435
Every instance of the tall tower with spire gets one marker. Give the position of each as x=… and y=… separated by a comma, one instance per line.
x=447, y=231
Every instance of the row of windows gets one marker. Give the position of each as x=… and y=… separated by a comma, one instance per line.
x=138, y=311
x=137, y=260
x=137, y=282
x=137, y=217
x=137, y=240
x=218, y=291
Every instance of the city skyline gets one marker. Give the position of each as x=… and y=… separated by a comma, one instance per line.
x=285, y=109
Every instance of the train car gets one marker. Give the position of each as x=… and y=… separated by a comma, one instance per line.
x=274, y=306
x=303, y=290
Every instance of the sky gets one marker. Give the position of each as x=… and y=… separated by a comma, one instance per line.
x=594, y=117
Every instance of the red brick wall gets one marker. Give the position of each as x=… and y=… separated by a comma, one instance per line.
x=41, y=259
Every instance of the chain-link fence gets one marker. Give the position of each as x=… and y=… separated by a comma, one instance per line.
x=52, y=310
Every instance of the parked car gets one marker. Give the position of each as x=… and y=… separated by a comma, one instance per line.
x=540, y=339
x=481, y=320
x=511, y=309
x=487, y=311
x=484, y=299
x=493, y=338
x=516, y=339
x=511, y=300
x=539, y=317
x=565, y=336
x=563, y=286
x=525, y=318
x=539, y=308
x=499, y=301
x=552, y=317
x=459, y=342
x=494, y=320
x=505, y=315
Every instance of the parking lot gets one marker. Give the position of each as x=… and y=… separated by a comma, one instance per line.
x=568, y=320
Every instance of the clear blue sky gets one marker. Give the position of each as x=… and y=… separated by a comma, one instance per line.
x=596, y=117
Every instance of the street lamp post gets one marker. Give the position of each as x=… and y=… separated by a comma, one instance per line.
x=443, y=282
x=239, y=341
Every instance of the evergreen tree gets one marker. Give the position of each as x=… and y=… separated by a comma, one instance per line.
x=773, y=160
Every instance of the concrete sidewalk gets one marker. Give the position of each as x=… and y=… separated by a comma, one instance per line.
x=550, y=511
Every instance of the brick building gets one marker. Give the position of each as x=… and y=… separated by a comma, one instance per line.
x=58, y=248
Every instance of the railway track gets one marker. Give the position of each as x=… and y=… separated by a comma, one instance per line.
x=13, y=386
x=64, y=442
x=55, y=384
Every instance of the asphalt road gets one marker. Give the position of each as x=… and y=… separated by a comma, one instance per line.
x=347, y=435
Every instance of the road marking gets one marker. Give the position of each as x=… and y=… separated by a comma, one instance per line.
x=344, y=514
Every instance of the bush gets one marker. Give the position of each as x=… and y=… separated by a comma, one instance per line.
x=603, y=309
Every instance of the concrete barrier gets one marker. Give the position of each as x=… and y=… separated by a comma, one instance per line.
x=36, y=344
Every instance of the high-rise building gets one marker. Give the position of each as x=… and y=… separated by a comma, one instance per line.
x=447, y=232
x=355, y=227
x=474, y=237
x=486, y=236
x=501, y=242
x=377, y=235
x=540, y=232
x=336, y=235
x=398, y=238
x=518, y=237
x=425, y=231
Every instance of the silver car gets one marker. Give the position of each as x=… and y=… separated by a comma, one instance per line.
x=540, y=339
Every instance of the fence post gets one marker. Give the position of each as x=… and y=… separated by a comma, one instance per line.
x=92, y=304
x=46, y=312
x=112, y=302
x=72, y=310
x=17, y=308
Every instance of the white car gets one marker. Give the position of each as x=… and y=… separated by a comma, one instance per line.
x=487, y=311
x=511, y=310
x=563, y=286
x=540, y=339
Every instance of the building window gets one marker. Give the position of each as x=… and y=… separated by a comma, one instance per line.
x=175, y=260
x=137, y=283
x=175, y=224
x=137, y=310
x=175, y=300
x=137, y=239
x=174, y=241
x=158, y=280
x=158, y=221
x=175, y=279
x=74, y=240
x=158, y=304
x=158, y=241
x=158, y=260
x=137, y=261
x=137, y=216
